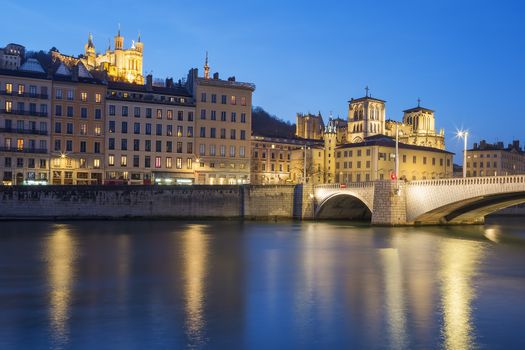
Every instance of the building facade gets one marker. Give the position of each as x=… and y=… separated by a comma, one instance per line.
x=309, y=126
x=486, y=159
x=77, y=130
x=150, y=134
x=25, y=106
x=223, y=125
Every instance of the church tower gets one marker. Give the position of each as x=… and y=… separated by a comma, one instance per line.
x=119, y=40
x=206, y=68
x=366, y=117
x=89, y=52
x=330, y=142
x=139, y=45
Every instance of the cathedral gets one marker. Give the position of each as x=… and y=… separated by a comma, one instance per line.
x=120, y=64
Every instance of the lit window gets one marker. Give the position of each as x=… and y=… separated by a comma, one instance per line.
x=96, y=163
x=168, y=162
x=97, y=130
x=179, y=163
x=189, y=163
x=8, y=88
x=111, y=160
x=20, y=144
x=158, y=162
x=123, y=160
x=21, y=89
x=98, y=98
x=83, y=129
x=8, y=106
x=83, y=96
x=243, y=101
x=233, y=100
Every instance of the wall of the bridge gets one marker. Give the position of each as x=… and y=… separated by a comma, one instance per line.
x=431, y=201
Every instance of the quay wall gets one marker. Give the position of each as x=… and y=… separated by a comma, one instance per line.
x=114, y=202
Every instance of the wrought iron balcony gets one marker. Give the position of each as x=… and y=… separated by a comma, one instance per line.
x=21, y=112
x=24, y=94
x=24, y=131
x=23, y=150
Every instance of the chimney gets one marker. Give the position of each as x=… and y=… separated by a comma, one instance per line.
x=231, y=78
x=516, y=144
x=475, y=145
x=169, y=82
x=74, y=73
x=216, y=76
x=149, y=82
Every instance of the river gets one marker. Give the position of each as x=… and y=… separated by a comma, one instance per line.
x=259, y=285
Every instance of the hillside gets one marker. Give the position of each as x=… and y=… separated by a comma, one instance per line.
x=264, y=124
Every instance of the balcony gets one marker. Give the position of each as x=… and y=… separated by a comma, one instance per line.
x=23, y=150
x=24, y=94
x=24, y=131
x=20, y=112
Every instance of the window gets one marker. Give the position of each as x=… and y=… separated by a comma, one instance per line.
x=83, y=128
x=124, y=144
x=169, y=114
x=168, y=162
x=21, y=89
x=83, y=96
x=242, y=151
x=243, y=117
x=223, y=99
x=136, y=145
x=212, y=133
x=123, y=160
x=169, y=130
x=202, y=149
x=233, y=134
x=96, y=147
x=8, y=90
x=69, y=146
x=70, y=95
x=148, y=113
x=169, y=146
x=203, y=131
x=212, y=150
x=189, y=163
x=203, y=114
x=124, y=111
x=58, y=127
x=111, y=109
x=203, y=97
x=159, y=129
x=147, y=145
x=179, y=163
x=190, y=116
x=136, y=161
x=147, y=162
x=190, y=131
x=158, y=146
x=58, y=147
x=189, y=147
x=223, y=151
x=243, y=134
x=223, y=116
x=148, y=129
x=98, y=98
x=180, y=115
x=213, y=98
x=179, y=131
x=233, y=100
x=111, y=128
x=111, y=160
x=234, y=117
x=136, y=128
x=83, y=146
x=414, y=159
x=159, y=113
x=158, y=162
x=124, y=127
x=213, y=115
x=111, y=144
x=243, y=101
x=136, y=112
x=58, y=109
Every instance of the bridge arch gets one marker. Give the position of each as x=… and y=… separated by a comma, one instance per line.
x=346, y=206
x=471, y=210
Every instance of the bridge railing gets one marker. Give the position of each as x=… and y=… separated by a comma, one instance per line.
x=346, y=185
x=492, y=180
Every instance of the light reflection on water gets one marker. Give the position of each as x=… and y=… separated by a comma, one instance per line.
x=60, y=254
x=259, y=285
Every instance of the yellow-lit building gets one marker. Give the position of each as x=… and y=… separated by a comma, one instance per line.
x=309, y=126
x=120, y=64
x=495, y=159
x=374, y=159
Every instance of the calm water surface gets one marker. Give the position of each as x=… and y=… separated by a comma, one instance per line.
x=232, y=285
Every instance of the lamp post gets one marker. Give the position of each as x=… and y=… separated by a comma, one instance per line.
x=464, y=135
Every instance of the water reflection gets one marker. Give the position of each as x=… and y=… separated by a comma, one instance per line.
x=60, y=254
x=459, y=264
x=394, y=300
x=195, y=256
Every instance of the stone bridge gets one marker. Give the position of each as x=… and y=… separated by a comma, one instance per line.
x=442, y=201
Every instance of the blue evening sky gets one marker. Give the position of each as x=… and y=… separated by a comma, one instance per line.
x=464, y=59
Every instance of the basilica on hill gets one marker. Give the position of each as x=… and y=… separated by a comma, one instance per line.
x=120, y=64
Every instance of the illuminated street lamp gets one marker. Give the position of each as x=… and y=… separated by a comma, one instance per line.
x=464, y=135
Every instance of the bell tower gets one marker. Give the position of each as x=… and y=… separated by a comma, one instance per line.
x=366, y=117
x=119, y=40
x=89, y=50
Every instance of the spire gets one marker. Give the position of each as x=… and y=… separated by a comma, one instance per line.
x=206, y=68
x=138, y=39
x=118, y=34
x=109, y=44
x=90, y=40
x=418, y=102
x=366, y=90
